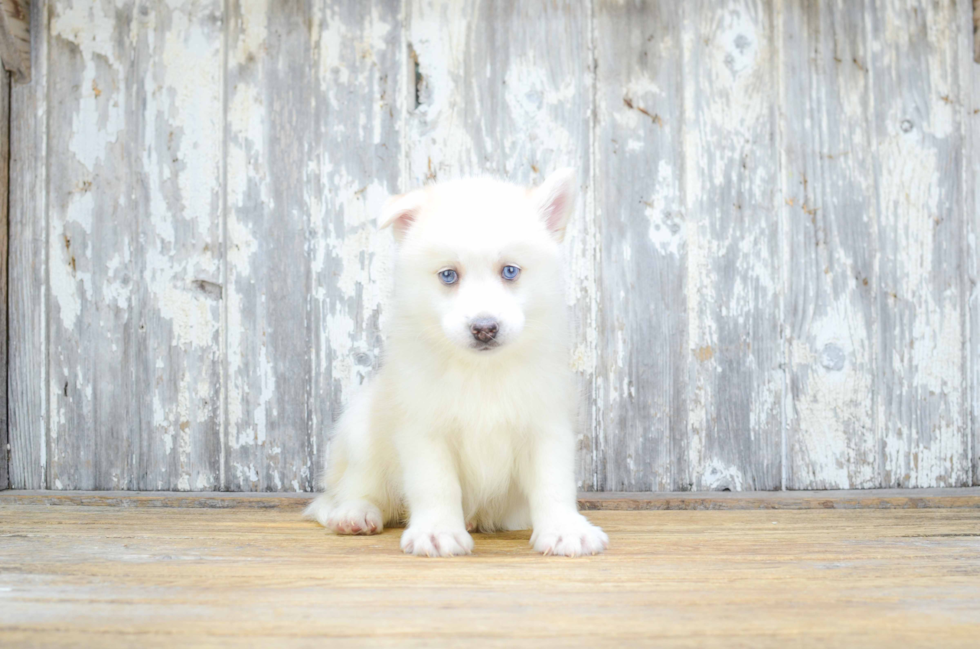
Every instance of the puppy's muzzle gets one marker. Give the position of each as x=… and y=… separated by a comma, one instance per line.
x=484, y=329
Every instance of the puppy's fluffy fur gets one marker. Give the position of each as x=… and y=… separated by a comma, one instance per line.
x=467, y=428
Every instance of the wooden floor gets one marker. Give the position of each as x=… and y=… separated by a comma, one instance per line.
x=73, y=575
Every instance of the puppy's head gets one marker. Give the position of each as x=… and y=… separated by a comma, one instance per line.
x=478, y=261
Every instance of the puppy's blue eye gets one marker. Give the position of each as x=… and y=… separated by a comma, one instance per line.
x=510, y=272
x=448, y=276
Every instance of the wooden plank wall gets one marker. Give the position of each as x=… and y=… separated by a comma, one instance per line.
x=772, y=278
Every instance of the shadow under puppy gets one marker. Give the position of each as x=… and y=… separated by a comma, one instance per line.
x=469, y=423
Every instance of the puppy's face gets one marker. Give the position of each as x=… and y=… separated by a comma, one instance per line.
x=478, y=263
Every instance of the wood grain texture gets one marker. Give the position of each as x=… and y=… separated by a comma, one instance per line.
x=27, y=369
x=177, y=83
x=642, y=376
x=830, y=250
x=970, y=112
x=506, y=88
x=359, y=107
x=942, y=498
x=269, y=150
x=165, y=577
x=95, y=245
x=4, y=251
x=970, y=75
x=295, y=500
x=919, y=157
x=736, y=350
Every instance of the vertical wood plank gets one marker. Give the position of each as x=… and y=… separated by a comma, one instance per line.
x=733, y=247
x=506, y=88
x=970, y=115
x=922, y=407
x=4, y=247
x=269, y=124
x=177, y=85
x=642, y=325
x=134, y=245
x=27, y=369
x=359, y=105
x=93, y=246
x=829, y=214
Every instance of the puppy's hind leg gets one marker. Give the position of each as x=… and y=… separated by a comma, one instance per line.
x=355, y=498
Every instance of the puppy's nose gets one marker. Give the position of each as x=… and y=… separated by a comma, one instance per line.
x=484, y=329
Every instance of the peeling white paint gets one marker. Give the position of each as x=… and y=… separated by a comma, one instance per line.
x=667, y=223
x=88, y=27
x=708, y=202
x=718, y=475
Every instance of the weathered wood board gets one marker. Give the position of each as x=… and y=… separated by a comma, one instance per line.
x=935, y=498
x=772, y=276
x=4, y=248
x=735, y=395
x=970, y=85
x=642, y=226
x=829, y=243
x=270, y=122
x=163, y=577
x=28, y=296
x=134, y=245
x=923, y=418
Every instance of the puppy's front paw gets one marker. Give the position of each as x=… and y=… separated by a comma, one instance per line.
x=573, y=536
x=354, y=517
x=431, y=541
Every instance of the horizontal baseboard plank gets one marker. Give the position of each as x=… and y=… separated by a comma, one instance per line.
x=952, y=498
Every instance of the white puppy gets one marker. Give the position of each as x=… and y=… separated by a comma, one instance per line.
x=468, y=425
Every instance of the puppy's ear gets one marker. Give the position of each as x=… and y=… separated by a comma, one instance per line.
x=401, y=211
x=555, y=200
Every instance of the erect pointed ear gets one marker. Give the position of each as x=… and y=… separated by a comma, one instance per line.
x=401, y=211
x=555, y=200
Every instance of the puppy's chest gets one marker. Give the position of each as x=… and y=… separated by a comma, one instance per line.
x=487, y=457
x=487, y=432
x=488, y=424
x=482, y=403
